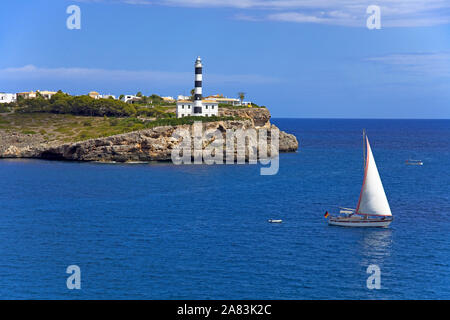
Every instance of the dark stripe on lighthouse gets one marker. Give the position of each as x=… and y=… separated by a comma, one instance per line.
x=198, y=84
x=197, y=96
x=198, y=70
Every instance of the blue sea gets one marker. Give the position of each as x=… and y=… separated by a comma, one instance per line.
x=160, y=231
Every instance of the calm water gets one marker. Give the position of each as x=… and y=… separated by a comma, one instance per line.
x=160, y=231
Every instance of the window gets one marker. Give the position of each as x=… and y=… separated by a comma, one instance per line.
x=206, y=107
x=182, y=107
x=212, y=107
x=189, y=107
x=197, y=110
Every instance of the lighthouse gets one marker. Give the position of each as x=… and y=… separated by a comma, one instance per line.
x=198, y=87
x=187, y=107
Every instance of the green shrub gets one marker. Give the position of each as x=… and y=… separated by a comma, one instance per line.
x=77, y=105
x=28, y=132
x=113, y=122
x=5, y=107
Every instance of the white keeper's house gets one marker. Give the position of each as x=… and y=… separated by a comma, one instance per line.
x=185, y=108
x=198, y=107
x=7, y=97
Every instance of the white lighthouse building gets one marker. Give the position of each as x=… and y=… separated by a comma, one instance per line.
x=198, y=107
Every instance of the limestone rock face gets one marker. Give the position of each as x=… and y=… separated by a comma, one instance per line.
x=288, y=142
x=259, y=117
x=155, y=144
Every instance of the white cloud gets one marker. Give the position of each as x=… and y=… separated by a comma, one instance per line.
x=323, y=18
x=123, y=76
x=31, y=71
x=435, y=64
x=394, y=13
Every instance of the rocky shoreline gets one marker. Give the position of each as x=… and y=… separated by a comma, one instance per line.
x=155, y=144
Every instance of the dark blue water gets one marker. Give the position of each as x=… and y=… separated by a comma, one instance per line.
x=159, y=231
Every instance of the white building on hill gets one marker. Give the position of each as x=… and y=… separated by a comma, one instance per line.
x=185, y=108
x=129, y=98
x=107, y=96
x=222, y=99
x=7, y=97
x=168, y=99
x=181, y=97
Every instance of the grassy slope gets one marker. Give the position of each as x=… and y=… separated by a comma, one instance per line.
x=70, y=128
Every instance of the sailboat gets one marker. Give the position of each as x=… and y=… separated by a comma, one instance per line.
x=373, y=207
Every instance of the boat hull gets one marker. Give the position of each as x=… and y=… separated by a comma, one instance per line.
x=360, y=223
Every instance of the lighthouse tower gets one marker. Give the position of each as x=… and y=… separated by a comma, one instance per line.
x=198, y=87
x=199, y=107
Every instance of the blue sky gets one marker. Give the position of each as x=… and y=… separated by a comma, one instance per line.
x=301, y=58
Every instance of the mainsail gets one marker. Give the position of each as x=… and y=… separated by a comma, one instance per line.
x=372, y=200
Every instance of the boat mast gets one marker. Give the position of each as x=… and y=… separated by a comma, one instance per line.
x=364, y=147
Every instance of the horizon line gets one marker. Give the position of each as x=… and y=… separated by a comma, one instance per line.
x=326, y=118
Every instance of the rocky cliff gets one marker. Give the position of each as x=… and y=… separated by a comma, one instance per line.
x=259, y=117
x=155, y=144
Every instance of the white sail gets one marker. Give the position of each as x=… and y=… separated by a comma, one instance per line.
x=372, y=200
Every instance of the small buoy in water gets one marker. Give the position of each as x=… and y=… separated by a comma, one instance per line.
x=275, y=221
